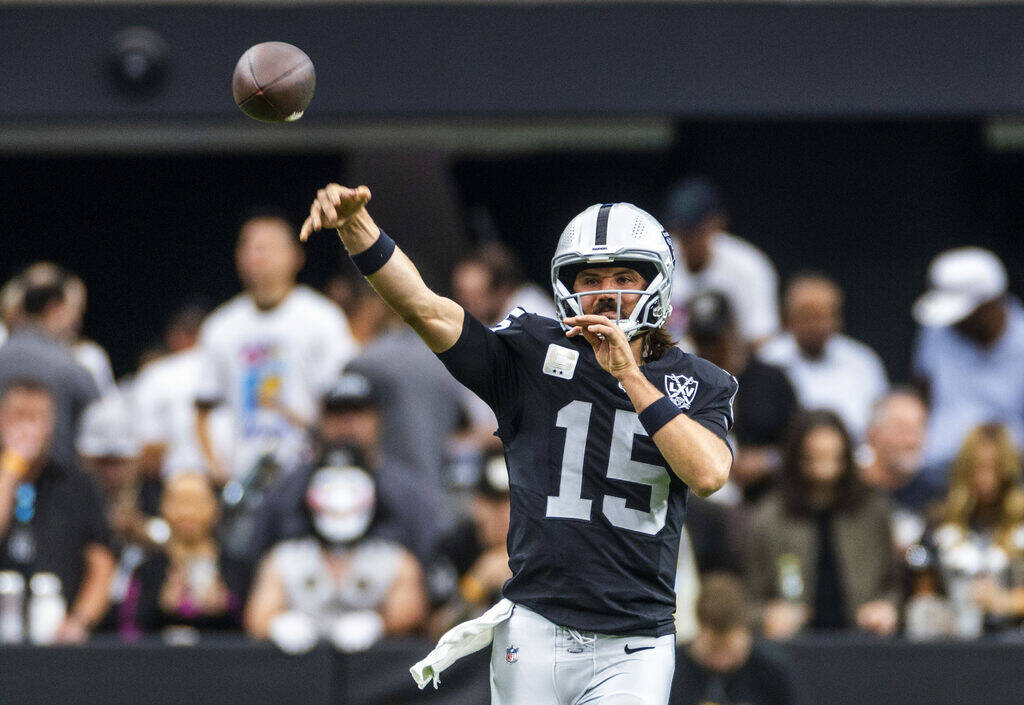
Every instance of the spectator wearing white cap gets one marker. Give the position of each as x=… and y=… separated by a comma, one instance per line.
x=164, y=395
x=109, y=450
x=970, y=352
x=712, y=259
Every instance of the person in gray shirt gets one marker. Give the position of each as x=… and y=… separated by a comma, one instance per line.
x=34, y=351
x=420, y=404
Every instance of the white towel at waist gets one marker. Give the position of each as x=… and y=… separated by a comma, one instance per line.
x=461, y=640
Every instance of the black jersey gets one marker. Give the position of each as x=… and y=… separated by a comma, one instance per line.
x=596, y=512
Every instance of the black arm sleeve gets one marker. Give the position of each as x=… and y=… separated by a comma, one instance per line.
x=482, y=360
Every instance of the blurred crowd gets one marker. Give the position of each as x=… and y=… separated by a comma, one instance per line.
x=297, y=465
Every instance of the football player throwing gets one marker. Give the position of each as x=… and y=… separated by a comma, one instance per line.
x=606, y=426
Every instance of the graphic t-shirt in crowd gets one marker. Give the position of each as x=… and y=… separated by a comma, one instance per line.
x=55, y=518
x=259, y=361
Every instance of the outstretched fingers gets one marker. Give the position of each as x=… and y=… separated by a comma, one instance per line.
x=313, y=222
x=333, y=205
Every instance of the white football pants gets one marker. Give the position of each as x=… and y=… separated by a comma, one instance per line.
x=536, y=662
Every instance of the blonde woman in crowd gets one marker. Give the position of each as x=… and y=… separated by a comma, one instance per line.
x=980, y=542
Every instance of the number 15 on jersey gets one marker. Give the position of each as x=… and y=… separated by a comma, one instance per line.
x=569, y=503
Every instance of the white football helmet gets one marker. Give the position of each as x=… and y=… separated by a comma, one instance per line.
x=622, y=234
x=342, y=502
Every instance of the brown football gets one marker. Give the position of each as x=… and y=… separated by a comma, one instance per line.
x=273, y=82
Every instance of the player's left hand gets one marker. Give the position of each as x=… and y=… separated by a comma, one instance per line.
x=611, y=348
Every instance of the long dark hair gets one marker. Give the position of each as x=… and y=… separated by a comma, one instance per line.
x=656, y=343
x=793, y=483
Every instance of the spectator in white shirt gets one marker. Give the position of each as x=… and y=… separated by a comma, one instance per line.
x=712, y=259
x=164, y=396
x=269, y=353
x=828, y=370
x=88, y=353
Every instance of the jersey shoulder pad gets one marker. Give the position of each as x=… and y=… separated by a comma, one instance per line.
x=710, y=382
x=521, y=323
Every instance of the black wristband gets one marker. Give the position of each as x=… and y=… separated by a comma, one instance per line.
x=375, y=256
x=657, y=415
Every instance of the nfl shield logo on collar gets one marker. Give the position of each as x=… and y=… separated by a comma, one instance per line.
x=512, y=654
x=681, y=390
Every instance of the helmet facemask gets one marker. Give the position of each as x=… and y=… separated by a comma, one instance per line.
x=649, y=313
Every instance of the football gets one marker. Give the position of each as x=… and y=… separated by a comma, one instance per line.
x=273, y=82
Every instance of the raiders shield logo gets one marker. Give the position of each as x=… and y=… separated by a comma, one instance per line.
x=681, y=390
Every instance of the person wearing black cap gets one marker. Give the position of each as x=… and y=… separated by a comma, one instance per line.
x=695, y=215
x=767, y=401
x=349, y=426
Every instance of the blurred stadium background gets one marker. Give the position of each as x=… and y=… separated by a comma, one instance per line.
x=857, y=139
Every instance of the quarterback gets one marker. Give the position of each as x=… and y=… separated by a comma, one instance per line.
x=606, y=426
